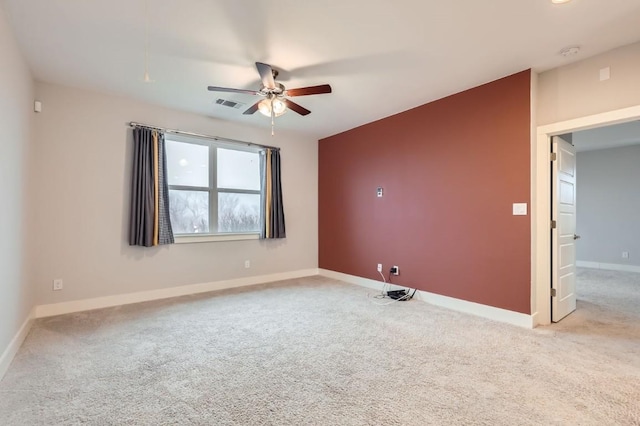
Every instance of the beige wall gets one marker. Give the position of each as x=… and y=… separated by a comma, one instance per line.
x=16, y=114
x=575, y=90
x=82, y=192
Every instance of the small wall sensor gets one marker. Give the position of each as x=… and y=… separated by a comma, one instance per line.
x=379, y=191
x=37, y=106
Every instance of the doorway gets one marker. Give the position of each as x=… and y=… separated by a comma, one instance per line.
x=541, y=259
x=604, y=190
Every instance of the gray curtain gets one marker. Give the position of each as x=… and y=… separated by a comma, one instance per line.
x=165, y=231
x=277, y=208
x=272, y=210
x=149, y=223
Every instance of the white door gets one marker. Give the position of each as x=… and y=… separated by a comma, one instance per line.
x=563, y=212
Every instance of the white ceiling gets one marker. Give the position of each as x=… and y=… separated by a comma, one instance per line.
x=614, y=136
x=380, y=56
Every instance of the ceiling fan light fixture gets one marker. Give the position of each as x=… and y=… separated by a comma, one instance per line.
x=279, y=107
x=560, y=1
x=265, y=105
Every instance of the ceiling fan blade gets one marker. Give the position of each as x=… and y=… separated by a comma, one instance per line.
x=313, y=90
x=297, y=108
x=266, y=75
x=226, y=89
x=253, y=108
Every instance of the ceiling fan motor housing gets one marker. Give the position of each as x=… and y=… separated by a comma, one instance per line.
x=277, y=90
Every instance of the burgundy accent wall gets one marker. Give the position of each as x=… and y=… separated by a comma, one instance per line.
x=451, y=170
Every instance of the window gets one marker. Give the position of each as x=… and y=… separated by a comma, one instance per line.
x=214, y=189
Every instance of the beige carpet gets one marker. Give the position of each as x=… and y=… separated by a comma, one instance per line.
x=318, y=352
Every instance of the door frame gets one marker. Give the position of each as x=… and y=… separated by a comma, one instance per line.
x=541, y=201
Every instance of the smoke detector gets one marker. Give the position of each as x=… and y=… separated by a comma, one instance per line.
x=570, y=51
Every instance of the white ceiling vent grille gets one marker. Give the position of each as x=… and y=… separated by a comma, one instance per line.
x=230, y=104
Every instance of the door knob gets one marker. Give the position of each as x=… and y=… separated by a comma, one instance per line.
x=576, y=237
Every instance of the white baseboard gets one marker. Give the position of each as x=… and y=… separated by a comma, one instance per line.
x=478, y=309
x=16, y=342
x=352, y=279
x=608, y=266
x=165, y=293
x=485, y=311
x=535, y=320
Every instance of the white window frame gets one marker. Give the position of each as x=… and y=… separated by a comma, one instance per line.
x=213, y=191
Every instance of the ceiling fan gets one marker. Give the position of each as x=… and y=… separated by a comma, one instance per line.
x=275, y=102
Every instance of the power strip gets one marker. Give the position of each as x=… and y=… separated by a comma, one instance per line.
x=400, y=295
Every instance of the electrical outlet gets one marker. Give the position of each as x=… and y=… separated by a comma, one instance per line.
x=379, y=267
x=625, y=254
x=57, y=284
x=247, y=264
x=395, y=270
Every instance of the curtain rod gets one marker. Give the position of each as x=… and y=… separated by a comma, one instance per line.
x=200, y=135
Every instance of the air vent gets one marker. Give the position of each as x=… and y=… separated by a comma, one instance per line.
x=230, y=104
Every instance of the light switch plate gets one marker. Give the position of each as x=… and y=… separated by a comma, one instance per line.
x=605, y=74
x=519, y=209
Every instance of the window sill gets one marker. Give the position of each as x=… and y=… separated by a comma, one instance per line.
x=203, y=238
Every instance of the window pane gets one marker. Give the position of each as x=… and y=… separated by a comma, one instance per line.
x=189, y=211
x=238, y=169
x=238, y=212
x=188, y=164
